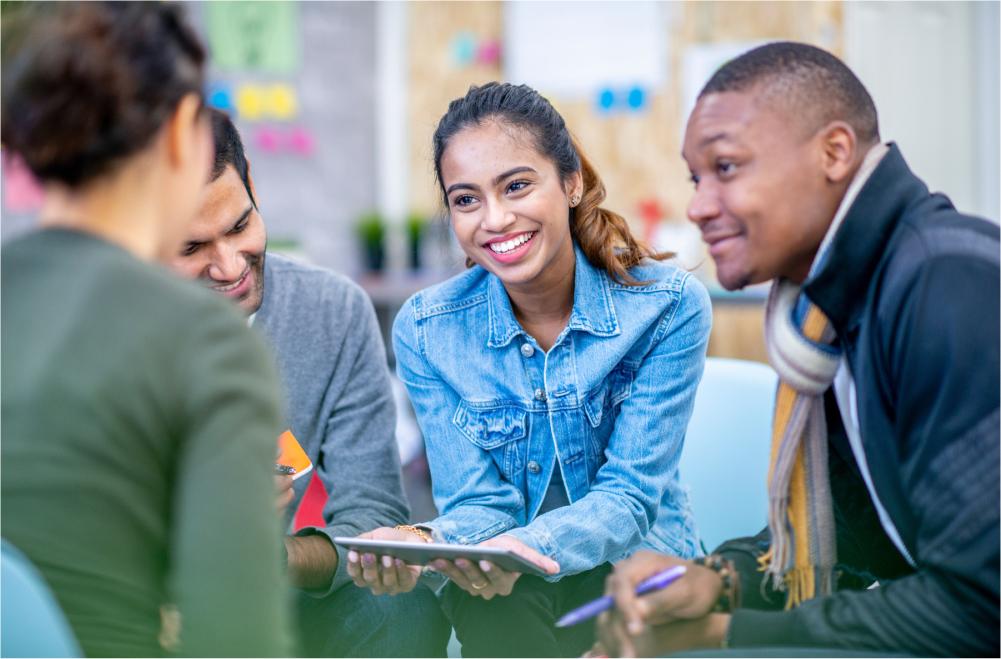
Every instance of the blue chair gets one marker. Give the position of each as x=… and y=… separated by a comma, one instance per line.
x=725, y=459
x=32, y=624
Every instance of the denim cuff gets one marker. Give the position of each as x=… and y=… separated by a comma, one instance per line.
x=450, y=531
x=541, y=541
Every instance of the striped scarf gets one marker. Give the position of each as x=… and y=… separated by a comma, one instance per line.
x=800, y=517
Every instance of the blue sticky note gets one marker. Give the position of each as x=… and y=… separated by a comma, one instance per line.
x=464, y=48
x=636, y=98
x=219, y=96
x=606, y=100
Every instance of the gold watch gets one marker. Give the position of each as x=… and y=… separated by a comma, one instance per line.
x=416, y=530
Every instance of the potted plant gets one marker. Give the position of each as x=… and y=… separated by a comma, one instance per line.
x=415, y=226
x=372, y=233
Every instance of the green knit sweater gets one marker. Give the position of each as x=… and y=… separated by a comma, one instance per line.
x=139, y=427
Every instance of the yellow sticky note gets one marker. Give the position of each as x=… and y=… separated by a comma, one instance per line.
x=282, y=103
x=250, y=102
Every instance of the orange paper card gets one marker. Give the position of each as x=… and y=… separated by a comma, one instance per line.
x=290, y=453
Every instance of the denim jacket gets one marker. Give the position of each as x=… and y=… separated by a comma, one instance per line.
x=607, y=405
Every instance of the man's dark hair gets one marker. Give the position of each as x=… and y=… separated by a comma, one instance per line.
x=229, y=151
x=815, y=84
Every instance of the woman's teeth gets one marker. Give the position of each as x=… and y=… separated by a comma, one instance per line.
x=508, y=245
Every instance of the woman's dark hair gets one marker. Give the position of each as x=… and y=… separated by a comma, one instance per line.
x=86, y=84
x=603, y=236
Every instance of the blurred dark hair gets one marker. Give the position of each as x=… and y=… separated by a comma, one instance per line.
x=814, y=84
x=604, y=236
x=229, y=150
x=86, y=84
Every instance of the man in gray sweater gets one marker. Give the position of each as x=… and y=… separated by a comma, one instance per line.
x=339, y=406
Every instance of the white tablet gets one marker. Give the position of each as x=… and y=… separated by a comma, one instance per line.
x=415, y=553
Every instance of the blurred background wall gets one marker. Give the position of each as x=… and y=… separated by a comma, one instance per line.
x=337, y=102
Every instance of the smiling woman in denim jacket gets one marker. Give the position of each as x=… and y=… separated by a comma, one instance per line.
x=553, y=381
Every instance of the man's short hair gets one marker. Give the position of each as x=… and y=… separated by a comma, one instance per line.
x=229, y=150
x=811, y=82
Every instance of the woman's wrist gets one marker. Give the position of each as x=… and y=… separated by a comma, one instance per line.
x=422, y=533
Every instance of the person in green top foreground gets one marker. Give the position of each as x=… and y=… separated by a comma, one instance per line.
x=139, y=414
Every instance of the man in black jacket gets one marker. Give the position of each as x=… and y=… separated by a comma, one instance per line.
x=883, y=325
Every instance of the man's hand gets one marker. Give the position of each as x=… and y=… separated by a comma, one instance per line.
x=659, y=640
x=283, y=490
x=485, y=579
x=384, y=575
x=692, y=596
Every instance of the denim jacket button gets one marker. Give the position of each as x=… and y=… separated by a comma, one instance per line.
x=540, y=395
x=527, y=350
x=534, y=467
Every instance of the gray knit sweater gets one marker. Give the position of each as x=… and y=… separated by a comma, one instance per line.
x=338, y=399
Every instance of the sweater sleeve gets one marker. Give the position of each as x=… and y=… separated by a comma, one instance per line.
x=360, y=460
x=226, y=576
x=946, y=434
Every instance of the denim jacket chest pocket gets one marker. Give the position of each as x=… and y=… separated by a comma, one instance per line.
x=603, y=403
x=497, y=429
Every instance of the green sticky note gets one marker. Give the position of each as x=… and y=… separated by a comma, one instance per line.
x=254, y=36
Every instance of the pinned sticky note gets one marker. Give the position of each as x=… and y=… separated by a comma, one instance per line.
x=220, y=96
x=489, y=52
x=254, y=36
x=21, y=191
x=268, y=139
x=636, y=98
x=250, y=102
x=301, y=141
x=606, y=100
x=281, y=101
x=463, y=48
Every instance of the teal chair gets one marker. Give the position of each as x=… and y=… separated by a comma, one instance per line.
x=725, y=459
x=31, y=622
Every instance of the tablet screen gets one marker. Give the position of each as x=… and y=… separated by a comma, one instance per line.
x=423, y=553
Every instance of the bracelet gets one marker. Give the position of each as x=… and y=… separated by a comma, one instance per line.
x=418, y=531
x=729, y=595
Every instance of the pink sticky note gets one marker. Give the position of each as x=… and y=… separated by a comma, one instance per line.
x=268, y=139
x=489, y=52
x=301, y=141
x=21, y=191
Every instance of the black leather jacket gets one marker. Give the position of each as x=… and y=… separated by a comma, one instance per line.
x=912, y=289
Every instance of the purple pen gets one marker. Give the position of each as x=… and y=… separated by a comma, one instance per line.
x=595, y=607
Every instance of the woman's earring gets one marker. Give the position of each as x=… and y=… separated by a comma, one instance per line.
x=574, y=200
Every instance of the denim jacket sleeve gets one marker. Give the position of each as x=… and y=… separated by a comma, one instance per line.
x=643, y=451
x=474, y=502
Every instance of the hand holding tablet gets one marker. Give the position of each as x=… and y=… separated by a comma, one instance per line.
x=484, y=570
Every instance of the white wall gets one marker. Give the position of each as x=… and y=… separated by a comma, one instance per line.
x=932, y=69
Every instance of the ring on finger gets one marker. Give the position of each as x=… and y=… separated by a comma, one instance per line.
x=480, y=586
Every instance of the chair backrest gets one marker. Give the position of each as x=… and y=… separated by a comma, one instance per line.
x=725, y=459
x=31, y=622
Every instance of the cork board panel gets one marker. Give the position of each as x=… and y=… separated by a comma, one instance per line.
x=435, y=79
x=637, y=154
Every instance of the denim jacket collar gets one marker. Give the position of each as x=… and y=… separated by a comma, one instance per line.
x=593, y=311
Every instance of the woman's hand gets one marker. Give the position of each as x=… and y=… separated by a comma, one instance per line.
x=625, y=631
x=384, y=575
x=485, y=579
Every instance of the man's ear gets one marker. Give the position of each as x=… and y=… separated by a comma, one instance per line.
x=184, y=132
x=840, y=151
